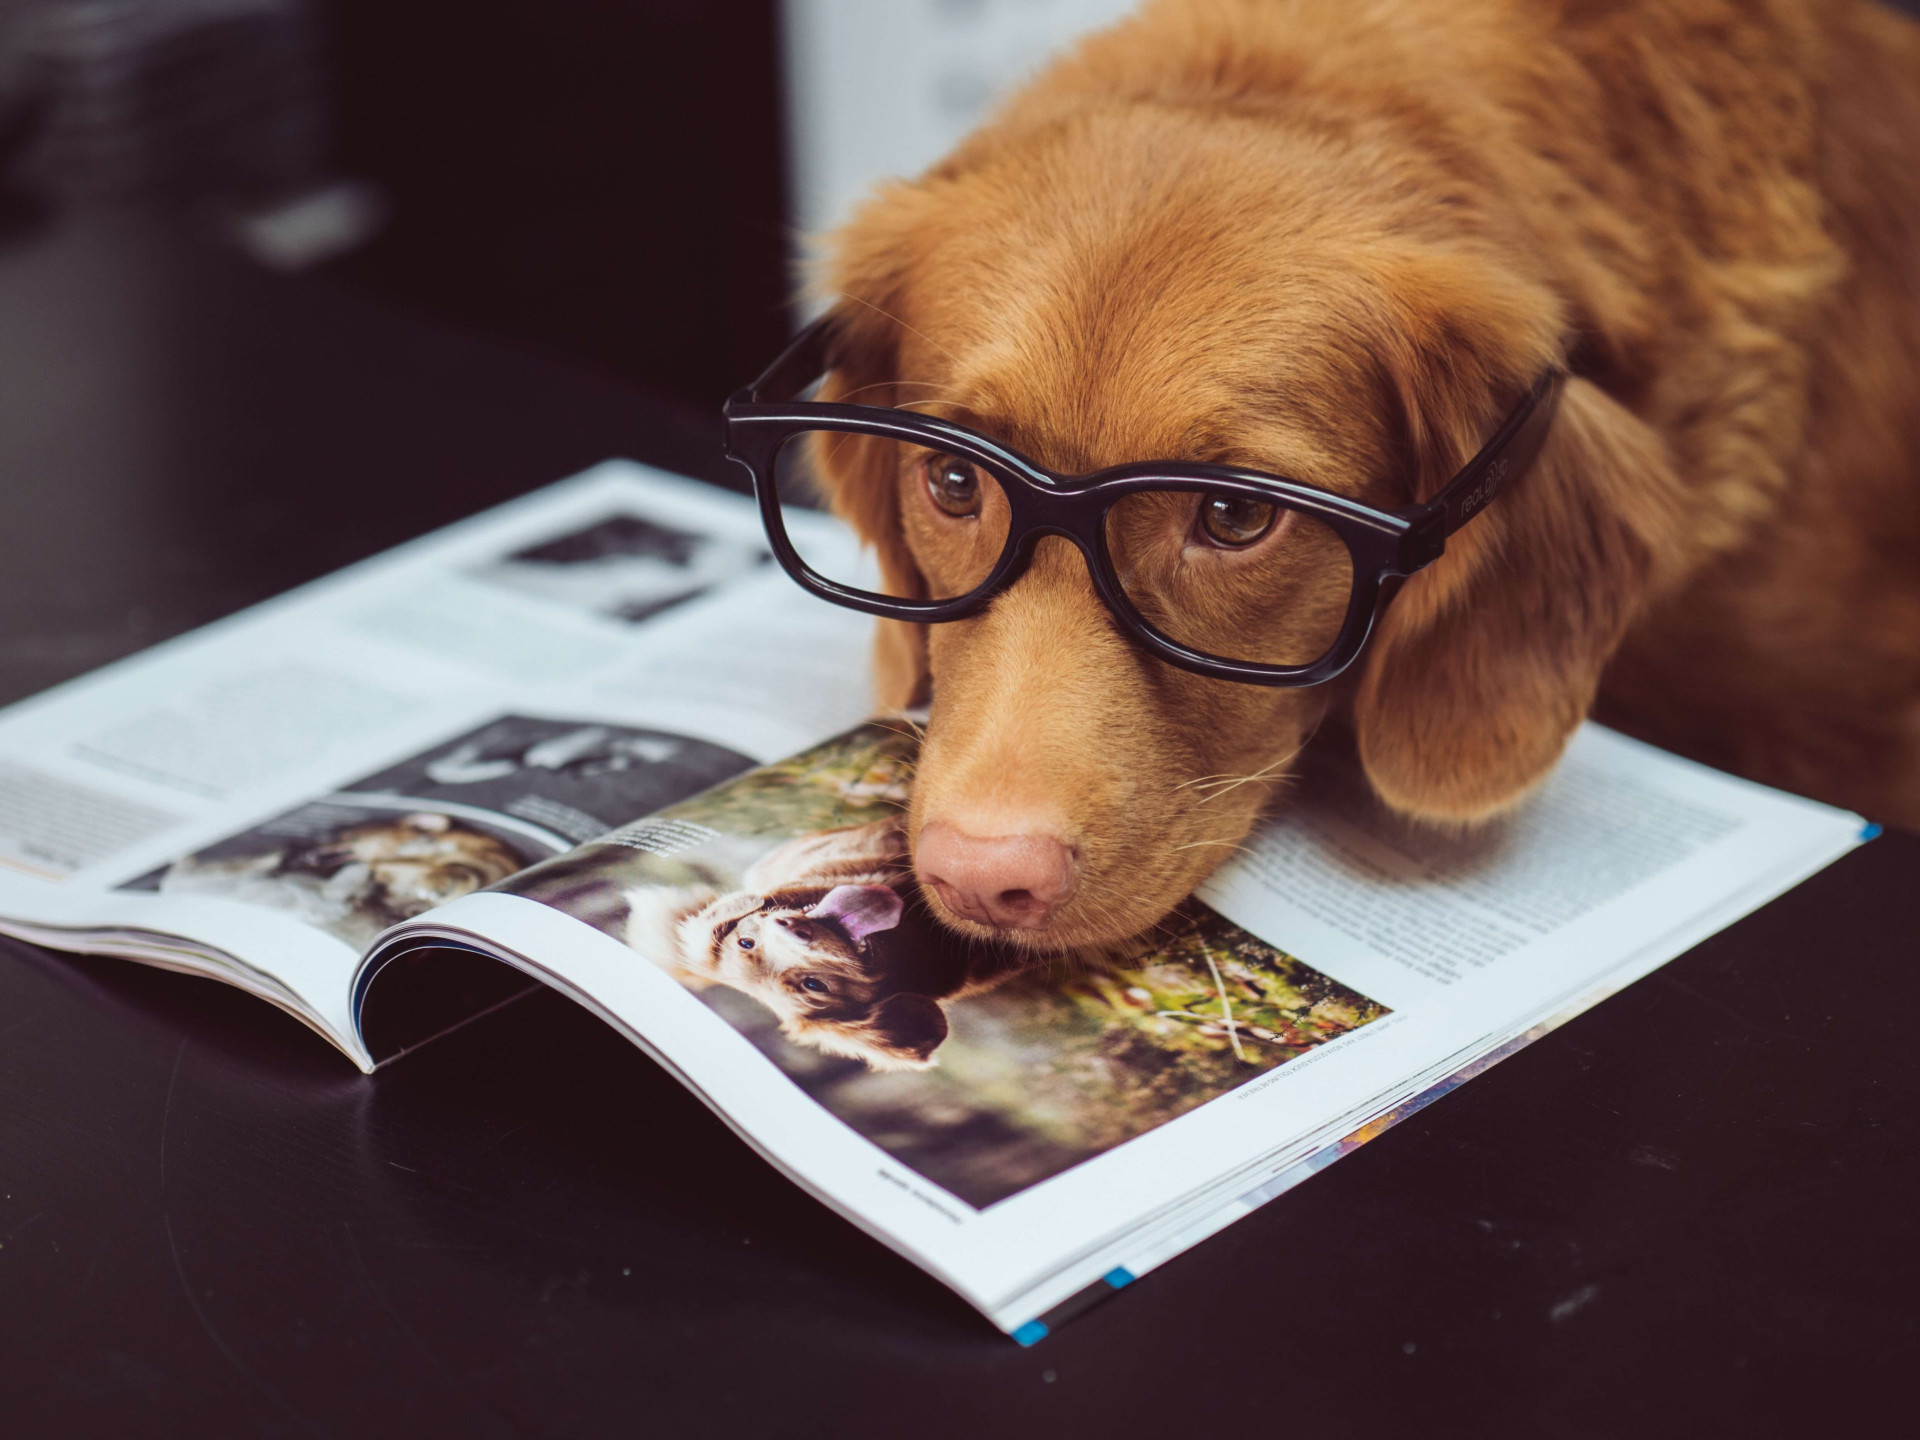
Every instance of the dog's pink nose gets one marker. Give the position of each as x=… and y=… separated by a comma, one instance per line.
x=1011, y=882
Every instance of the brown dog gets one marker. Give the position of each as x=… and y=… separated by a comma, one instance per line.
x=1336, y=239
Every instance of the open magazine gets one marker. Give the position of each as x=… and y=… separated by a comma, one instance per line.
x=592, y=740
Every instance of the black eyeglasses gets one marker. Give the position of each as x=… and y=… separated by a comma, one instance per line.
x=1222, y=571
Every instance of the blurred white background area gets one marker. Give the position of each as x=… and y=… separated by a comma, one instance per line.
x=880, y=88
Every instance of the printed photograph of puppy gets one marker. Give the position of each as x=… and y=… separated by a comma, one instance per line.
x=826, y=933
x=784, y=900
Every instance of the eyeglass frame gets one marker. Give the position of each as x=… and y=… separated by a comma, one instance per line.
x=1386, y=547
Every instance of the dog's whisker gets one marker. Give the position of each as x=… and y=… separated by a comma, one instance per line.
x=1266, y=772
x=888, y=315
x=1220, y=784
x=837, y=444
x=1230, y=844
x=863, y=389
x=1204, y=780
x=893, y=384
x=912, y=727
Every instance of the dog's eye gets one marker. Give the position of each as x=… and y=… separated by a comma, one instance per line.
x=953, y=485
x=1235, y=520
x=745, y=942
x=819, y=987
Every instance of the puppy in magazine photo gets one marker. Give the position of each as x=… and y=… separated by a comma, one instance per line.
x=820, y=934
x=1442, y=371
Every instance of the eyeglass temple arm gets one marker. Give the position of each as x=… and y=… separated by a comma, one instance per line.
x=798, y=366
x=1503, y=459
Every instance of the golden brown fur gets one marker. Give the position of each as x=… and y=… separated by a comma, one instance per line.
x=1337, y=239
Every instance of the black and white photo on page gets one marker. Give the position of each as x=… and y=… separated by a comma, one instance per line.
x=623, y=566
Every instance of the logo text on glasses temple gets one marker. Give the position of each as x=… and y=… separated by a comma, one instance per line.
x=1475, y=500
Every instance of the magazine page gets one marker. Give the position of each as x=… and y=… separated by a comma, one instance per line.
x=1023, y=1126
x=284, y=785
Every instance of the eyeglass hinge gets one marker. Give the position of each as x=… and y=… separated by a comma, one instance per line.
x=1426, y=538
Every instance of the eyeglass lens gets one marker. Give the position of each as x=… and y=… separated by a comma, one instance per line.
x=952, y=513
x=1230, y=576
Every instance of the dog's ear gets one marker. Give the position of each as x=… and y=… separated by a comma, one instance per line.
x=861, y=910
x=904, y=1032
x=1490, y=658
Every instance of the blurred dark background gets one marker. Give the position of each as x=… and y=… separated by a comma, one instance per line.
x=601, y=179
x=604, y=177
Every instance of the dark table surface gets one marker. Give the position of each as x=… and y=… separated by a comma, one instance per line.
x=1691, y=1211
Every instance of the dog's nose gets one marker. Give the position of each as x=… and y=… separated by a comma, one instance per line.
x=1011, y=882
